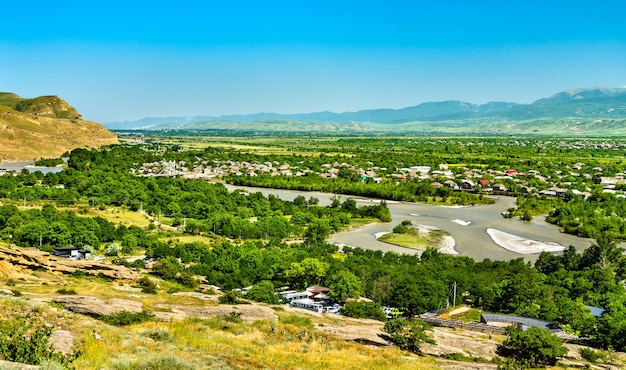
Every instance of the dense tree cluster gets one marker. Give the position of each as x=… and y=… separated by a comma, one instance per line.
x=48, y=227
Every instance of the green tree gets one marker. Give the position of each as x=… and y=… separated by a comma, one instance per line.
x=263, y=291
x=307, y=272
x=317, y=231
x=408, y=334
x=167, y=268
x=532, y=347
x=363, y=310
x=343, y=285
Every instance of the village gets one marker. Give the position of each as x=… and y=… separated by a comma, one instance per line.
x=579, y=179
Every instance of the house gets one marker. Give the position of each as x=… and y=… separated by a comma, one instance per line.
x=467, y=184
x=318, y=293
x=521, y=322
x=499, y=187
x=483, y=182
x=72, y=252
x=451, y=184
x=314, y=299
x=292, y=295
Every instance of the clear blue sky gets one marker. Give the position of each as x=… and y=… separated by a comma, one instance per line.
x=125, y=60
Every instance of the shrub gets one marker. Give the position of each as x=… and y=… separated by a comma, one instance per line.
x=147, y=285
x=187, y=280
x=158, y=334
x=400, y=229
x=78, y=273
x=590, y=355
x=66, y=291
x=233, y=316
x=158, y=363
x=124, y=318
x=363, y=310
x=408, y=334
x=230, y=297
x=21, y=342
x=535, y=346
x=300, y=321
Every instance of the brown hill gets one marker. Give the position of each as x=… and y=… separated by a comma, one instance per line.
x=43, y=127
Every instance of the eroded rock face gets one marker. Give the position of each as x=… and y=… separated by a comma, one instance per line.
x=16, y=261
x=93, y=306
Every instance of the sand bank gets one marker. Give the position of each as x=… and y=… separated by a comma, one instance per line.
x=522, y=245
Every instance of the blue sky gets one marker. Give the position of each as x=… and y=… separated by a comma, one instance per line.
x=125, y=60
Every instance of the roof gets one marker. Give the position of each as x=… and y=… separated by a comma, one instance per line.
x=524, y=321
x=318, y=289
x=596, y=311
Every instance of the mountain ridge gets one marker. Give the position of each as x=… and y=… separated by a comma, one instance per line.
x=574, y=103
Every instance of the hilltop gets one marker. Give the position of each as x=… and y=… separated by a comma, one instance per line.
x=593, y=111
x=46, y=126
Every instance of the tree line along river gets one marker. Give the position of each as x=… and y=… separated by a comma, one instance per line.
x=467, y=225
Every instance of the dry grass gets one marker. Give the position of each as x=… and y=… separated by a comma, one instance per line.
x=201, y=343
x=186, y=239
x=221, y=344
x=30, y=137
x=117, y=215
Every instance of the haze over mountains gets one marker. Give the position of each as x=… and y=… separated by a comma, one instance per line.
x=577, y=106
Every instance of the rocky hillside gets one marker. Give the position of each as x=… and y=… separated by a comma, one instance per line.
x=46, y=126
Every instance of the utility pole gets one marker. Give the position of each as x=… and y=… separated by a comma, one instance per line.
x=453, y=293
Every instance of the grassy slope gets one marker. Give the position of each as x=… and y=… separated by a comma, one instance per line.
x=24, y=136
x=195, y=343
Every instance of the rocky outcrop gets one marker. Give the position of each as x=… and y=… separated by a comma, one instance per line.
x=247, y=312
x=20, y=261
x=97, y=307
x=62, y=341
x=364, y=334
x=93, y=306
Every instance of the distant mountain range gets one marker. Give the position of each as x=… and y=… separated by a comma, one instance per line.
x=573, y=107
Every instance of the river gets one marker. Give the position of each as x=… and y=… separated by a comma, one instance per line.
x=19, y=166
x=467, y=225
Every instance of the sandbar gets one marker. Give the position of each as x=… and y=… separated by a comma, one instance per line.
x=522, y=245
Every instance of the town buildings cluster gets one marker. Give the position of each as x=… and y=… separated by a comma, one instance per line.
x=578, y=179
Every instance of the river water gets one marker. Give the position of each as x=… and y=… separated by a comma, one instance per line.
x=19, y=166
x=467, y=225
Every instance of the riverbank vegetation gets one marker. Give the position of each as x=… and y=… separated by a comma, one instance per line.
x=418, y=236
